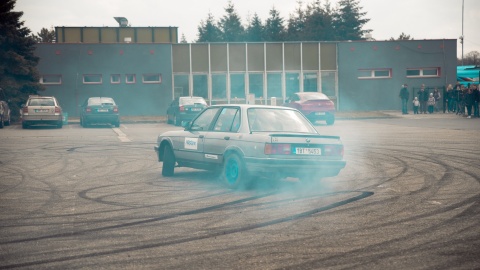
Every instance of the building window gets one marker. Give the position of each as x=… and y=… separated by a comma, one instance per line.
x=51, y=79
x=115, y=78
x=383, y=73
x=152, y=78
x=92, y=78
x=423, y=72
x=130, y=78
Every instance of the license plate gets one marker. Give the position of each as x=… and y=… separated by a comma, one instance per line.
x=308, y=151
x=196, y=109
x=319, y=113
x=41, y=110
x=102, y=110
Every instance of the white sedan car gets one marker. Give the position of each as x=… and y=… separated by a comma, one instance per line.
x=245, y=142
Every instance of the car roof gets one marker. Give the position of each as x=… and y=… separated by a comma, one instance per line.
x=320, y=95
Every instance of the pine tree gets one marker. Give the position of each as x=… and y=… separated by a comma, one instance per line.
x=18, y=74
x=348, y=21
x=45, y=36
x=296, y=24
x=208, y=31
x=254, y=31
x=274, y=29
x=230, y=26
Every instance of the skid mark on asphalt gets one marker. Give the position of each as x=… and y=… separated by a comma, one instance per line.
x=121, y=136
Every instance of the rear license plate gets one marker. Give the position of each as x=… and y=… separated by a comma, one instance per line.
x=308, y=151
x=102, y=110
x=41, y=110
x=319, y=113
x=196, y=109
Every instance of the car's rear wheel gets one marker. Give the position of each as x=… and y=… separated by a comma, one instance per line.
x=117, y=124
x=168, y=161
x=330, y=120
x=60, y=124
x=1, y=122
x=7, y=123
x=234, y=174
x=176, y=121
x=24, y=125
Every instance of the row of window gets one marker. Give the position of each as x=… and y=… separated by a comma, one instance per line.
x=98, y=78
x=387, y=73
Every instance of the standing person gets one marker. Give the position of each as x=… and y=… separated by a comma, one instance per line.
x=404, y=95
x=476, y=98
x=469, y=101
x=449, y=98
x=431, y=103
x=416, y=105
x=460, y=100
x=423, y=98
x=437, y=96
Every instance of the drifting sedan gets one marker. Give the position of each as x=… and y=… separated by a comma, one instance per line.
x=316, y=106
x=244, y=142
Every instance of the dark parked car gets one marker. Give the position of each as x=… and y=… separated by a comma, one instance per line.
x=99, y=110
x=4, y=114
x=246, y=141
x=314, y=105
x=40, y=110
x=184, y=109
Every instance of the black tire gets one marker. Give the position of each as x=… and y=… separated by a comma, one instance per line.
x=24, y=125
x=176, y=121
x=168, y=161
x=1, y=123
x=330, y=120
x=60, y=124
x=7, y=123
x=234, y=174
x=117, y=124
x=168, y=119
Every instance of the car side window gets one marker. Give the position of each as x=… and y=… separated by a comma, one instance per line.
x=204, y=120
x=226, y=120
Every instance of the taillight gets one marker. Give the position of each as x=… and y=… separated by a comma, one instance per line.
x=181, y=108
x=333, y=150
x=57, y=110
x=115, y=109
x=88, y=110
x=277, y=149
x=25, y=109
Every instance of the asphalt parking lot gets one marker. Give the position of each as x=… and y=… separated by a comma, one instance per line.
x=95, y=198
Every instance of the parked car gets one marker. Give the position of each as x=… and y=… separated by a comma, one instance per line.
x=314, y=105
x=41, y=110
x=244, y=142
x=99, y=110
x=4, y=114
x=184, y=109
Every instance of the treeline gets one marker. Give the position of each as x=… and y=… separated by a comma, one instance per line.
x=312, y=22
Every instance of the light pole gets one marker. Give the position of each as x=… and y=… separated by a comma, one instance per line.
x=461, y=38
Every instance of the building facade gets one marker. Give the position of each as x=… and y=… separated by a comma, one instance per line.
x=144, y=77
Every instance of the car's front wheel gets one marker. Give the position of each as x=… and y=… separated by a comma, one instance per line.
x=168, y=161
x=234, y=174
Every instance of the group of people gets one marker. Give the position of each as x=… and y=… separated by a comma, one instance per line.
x=457, y=99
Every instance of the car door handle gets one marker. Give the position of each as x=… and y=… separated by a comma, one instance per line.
x=226, y=138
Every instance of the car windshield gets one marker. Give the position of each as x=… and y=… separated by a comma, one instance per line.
x=41, y=102
x=103, y=101
x=192, y=101
x=314, y=96
x=268, y=120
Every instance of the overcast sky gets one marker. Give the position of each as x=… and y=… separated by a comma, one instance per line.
x=421, y=19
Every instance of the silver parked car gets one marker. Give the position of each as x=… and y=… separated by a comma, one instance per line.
x=246, y=141
x=42, y=110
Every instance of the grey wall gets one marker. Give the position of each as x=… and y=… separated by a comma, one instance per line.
x=72, y=61
x=382, y=94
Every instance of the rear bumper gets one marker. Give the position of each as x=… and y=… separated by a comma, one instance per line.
x=294, y=168
x=42, y=119
x=111, y=118
x=317, y=116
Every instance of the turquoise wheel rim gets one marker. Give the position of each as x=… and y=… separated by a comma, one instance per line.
x=231, y=171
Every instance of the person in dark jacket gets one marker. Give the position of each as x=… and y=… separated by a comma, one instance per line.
x=404, y=95
x=476, y=97
x=469, y=101
x=423, y=98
